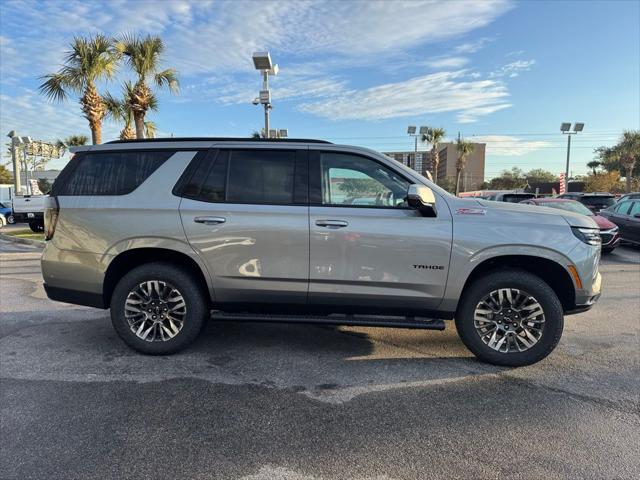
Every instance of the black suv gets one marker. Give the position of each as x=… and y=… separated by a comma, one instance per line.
x=593, y=201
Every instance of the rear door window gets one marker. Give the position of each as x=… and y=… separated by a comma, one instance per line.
x=258, y=176
x=108, y=173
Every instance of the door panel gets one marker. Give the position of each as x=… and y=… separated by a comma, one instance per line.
x=246, y=214
x=260, y=253
x=368, y=248
x=394, y=258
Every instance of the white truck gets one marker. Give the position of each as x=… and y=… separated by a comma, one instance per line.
x=29, y=209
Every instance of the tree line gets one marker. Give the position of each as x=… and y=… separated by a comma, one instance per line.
x=95, y=59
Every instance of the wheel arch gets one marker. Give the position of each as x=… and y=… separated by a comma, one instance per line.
x=550, y=271
x=129, y=259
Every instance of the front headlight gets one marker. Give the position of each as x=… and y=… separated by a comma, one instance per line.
x=590, y=236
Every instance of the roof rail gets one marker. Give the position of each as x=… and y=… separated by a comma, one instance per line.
x=221, y=139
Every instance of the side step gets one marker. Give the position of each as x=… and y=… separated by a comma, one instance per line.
x=356, y=320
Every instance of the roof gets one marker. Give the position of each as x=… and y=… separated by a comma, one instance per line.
x=221, y=139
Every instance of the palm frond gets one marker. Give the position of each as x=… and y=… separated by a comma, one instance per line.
x=114, y=107
x=150, y=129
x=168, y=78
x=54, y=87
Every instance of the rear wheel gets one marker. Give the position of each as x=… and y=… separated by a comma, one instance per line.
x=11, y=220
x=158, y=309
x=510, y=318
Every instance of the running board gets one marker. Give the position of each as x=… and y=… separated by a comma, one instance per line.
x=355, y=320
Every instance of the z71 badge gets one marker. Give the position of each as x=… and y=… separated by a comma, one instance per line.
x=471, y=211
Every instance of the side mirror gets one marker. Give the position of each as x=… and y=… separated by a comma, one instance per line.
x=422, y=199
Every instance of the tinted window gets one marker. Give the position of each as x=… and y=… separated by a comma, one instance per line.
x=359, y=181
x=635, y=209
x=208, y=178
x=623, y=207
x=515, y=197
x=108, y=173
x=600, y=202
x=261, y=176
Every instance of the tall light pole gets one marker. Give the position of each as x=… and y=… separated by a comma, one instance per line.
x=262, y=62
x=411, y=131
x=565, y=128
x=17, y=142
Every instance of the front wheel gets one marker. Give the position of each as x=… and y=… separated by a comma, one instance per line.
x=158, y=309
x=11, y=220
x=511, y=318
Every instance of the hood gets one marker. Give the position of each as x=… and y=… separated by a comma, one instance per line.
x=603, y=223
x=537, y=213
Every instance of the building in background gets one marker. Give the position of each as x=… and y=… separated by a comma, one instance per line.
x=472, y=177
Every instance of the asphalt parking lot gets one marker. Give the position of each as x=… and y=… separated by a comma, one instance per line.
x=257, y=401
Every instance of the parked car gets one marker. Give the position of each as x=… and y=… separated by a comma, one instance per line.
x=29, y=209
x=509, y=196
x=626, y=215
x=163, y=231
x=593, y=201
x=6, y=212
x=628, y=196
x=3, y=220
x=609, y=232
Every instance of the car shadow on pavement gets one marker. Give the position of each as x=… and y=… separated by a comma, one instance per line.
x=327, y=363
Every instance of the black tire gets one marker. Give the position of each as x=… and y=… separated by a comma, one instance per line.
x=36, y=227
x=194, y=295
x=518, y=279
x=606, y=251
x=11, y=220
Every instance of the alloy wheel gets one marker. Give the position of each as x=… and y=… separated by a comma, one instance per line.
x=155, y=311
x=509, y=320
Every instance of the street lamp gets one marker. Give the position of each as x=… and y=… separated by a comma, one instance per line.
x=411, y=131
x=17, y=142
x=262, y=62
x=565, y=128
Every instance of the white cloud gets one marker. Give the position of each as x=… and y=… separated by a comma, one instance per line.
x=472, y=47
x=446, y=62
x=504, y=145
x=30, y=114
x=513, y=69
x=433, y=93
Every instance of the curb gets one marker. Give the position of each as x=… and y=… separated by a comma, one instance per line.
x=27, y=241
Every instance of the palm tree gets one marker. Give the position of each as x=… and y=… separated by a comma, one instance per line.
x=629, y=150
x=71, y=141
x=89, y=61
x=121, y=112
x=593, y=165
x=433, y=137
x=143, y=56
x=464, y=150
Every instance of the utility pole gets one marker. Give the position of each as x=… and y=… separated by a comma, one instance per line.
x=565, y=128
x=15, y=141
x=262, y=62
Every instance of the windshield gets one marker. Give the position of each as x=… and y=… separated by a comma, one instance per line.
x=600, y=201
x=516, y=197
x=570, y=206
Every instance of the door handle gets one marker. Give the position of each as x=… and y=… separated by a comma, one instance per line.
x=210, y=220
x=332, y=223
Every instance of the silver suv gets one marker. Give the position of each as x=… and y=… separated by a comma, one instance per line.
x=165, y=231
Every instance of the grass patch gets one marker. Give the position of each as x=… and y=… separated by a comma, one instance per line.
x=26, y=233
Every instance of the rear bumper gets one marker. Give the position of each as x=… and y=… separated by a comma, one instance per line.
x=88, y=299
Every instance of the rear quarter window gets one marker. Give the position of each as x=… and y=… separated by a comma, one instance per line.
x=108, y=173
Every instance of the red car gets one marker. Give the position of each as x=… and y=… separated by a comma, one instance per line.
x=608, y=230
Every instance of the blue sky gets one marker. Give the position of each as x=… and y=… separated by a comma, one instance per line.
x=498, y=71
